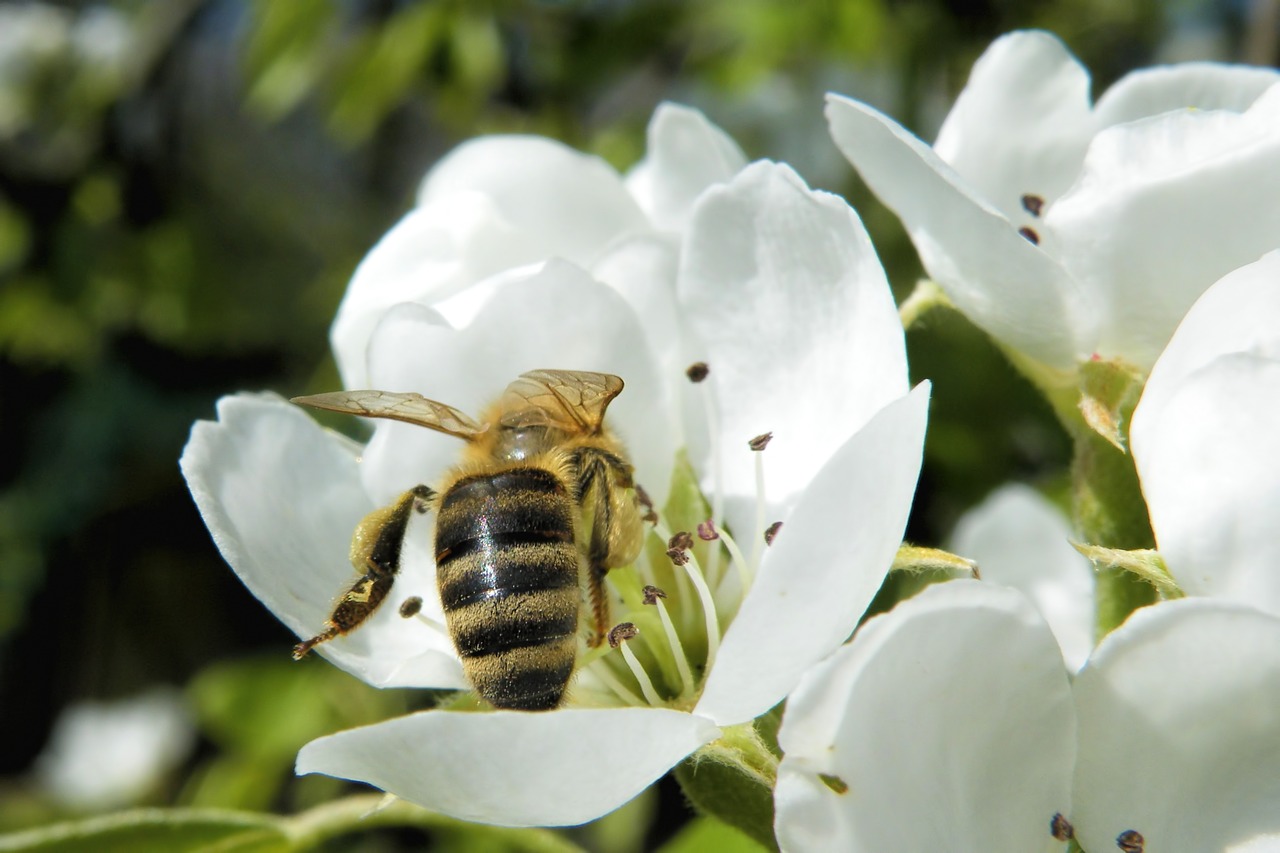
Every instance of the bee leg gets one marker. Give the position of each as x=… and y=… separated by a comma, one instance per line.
x=375, y=552
x=606, y=492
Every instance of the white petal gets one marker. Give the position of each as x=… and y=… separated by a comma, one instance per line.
x=686, y=155
x=1187, y=85
x=1013, y=290
x=1021, y=124
x=569, y=203
x=281, y=497
x=510, y=768
x=1021, y=540
x=1179, y=713
x=1211, y=477
x=949, y=719
x=433, y=253
x=789, y=302
x=1165, y=207
x=824, y=566
x=1235, y=315
x=558, y=318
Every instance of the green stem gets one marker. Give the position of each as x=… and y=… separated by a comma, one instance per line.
x=1110, y=511
x=362, y=812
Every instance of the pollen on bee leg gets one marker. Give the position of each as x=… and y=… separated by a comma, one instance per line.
x=618, y=637
x=653, y=597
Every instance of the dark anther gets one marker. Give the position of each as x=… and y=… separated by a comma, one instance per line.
x=678, y=557
x=1131, y=841
x=682, y=541
x=650, y=514
x=697, y=371
x=410, y=607
x=760, y=442
x=652, y=594
x=1061, y=828
x=707, y=531
x=1031, y=235
x=771, y=531
x=621, y=632
x=1033, y=204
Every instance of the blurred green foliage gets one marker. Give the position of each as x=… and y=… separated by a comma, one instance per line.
x=185, y=188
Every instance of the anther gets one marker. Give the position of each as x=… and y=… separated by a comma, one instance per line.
x=771, y=531
x=652, y=594
x=621, y=632
x=410, y=607
x=650, y=514
x=697, y=371
x=760, y=442
x=1131, y=841
x=1033, y=204
x=680, y=558
x=707, y=531
x=682, y=541
x=1061, y=829
x=1030, y=234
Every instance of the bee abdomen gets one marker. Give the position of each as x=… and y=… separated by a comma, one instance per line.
x=507, y=569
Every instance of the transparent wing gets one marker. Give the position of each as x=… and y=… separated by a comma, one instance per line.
x=410, y=408
x=572, y=400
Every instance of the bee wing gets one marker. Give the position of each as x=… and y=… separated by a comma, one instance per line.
x=410, y=408
x=572, y=400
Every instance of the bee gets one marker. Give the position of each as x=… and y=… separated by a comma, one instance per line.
x=541, y=505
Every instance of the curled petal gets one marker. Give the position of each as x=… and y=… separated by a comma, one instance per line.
x=281, y=497
x=1132, y=229
x=1021, y=540
x=824, y=566
x=1022, y=123
x=1187, y=85
x=686, y=155
x=554, y=769
x=557, y=318
x=1179, y=714
x=795, y=318
x=947, y=724
x=568, y=203
x=1010, y=288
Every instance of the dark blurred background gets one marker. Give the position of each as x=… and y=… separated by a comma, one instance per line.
x=186, y=187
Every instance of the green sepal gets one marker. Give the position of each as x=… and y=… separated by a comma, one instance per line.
x=156, y=831
x=915, y=559
x=1144, y=563
x=732, y=779
x=1108, y=392
x=706, y=833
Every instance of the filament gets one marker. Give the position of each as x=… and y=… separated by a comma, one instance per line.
x=646, y=685
x=677, y=648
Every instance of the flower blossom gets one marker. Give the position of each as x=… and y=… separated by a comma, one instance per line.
x=524, y=254
x=1069, y=230
x=1175, y=714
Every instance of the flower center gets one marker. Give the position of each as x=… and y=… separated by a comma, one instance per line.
x=679, y=596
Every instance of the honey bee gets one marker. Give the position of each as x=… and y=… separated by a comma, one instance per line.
x=541, y=505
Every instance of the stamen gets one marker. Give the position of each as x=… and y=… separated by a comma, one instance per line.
x=697, y=371
x=745, y=573
x=771, y=531
x=694, y=571
x=618, y=639
x=717, y=477
x=431, y=623
x=707, y=531
x=410, y=607
x=654, y=596
x=759, y=443
x=1033, y=204
x=1030, y=234
x=611, y=681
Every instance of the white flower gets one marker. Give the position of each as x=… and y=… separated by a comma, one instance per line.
x=104, y=755
x=950, y=724
x=1068, y=230
x=1178, y=709
x=1204, y=439
x=774, y=286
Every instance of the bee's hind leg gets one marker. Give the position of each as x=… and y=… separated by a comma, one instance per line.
x=606, y=492
x=375, y=551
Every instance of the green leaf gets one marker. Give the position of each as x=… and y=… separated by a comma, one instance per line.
x=156, y=831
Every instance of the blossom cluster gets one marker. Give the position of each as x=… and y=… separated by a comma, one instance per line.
x=767, y=390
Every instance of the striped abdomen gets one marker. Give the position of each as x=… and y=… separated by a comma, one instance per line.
x=507, y=569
